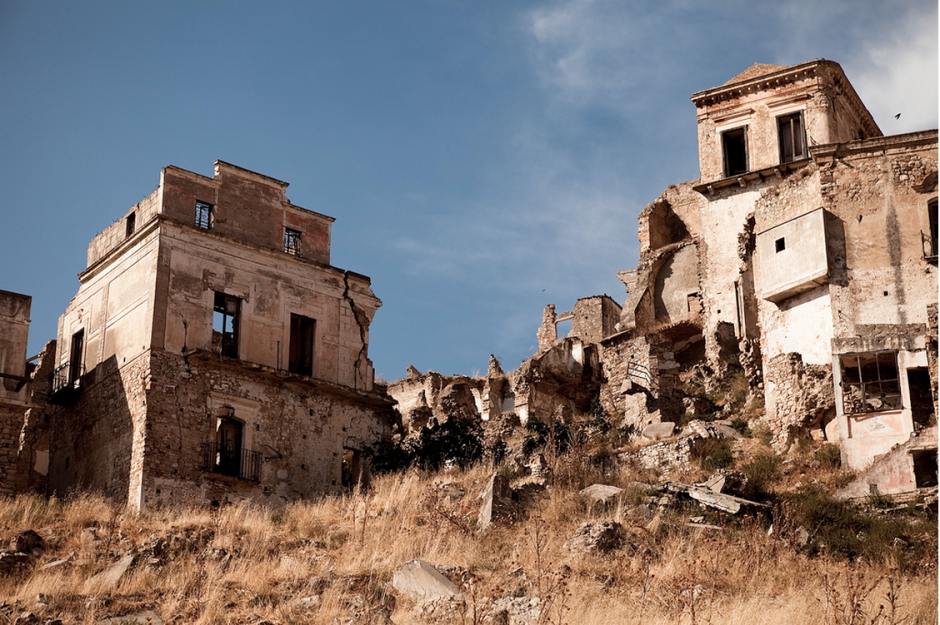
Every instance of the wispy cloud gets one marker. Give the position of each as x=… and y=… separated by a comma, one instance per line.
x=899, y=74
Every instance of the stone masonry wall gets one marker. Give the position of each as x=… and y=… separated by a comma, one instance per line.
x=300, y=429
x=798, y=395
x=91, y=441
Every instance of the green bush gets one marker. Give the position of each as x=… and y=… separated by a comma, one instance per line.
x=841, y=530
x=713, y=453
x=761, y=471
x=451, y=443
x=829, y=456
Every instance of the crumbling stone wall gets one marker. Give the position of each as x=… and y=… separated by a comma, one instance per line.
x=594, y=318
x=92, y=441
x=14, y=388
x=301, y=431
x=799, y=396
x=33, y=449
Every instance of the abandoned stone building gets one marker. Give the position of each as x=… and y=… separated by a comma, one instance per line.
x=806, y=255
x=212, y=353
x=799, y=269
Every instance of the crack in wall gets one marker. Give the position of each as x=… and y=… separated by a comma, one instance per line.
x=359, y=316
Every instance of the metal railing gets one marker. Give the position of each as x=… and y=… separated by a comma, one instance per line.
x=226, y=460
x=66, y=382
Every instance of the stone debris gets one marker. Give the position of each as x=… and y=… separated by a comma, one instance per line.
x=710, y=498
x=596, y=536
x=28, y=542
x=420, y=582
x=657, y=431
x=601, y=493
x=148, y=617
x=107, y=580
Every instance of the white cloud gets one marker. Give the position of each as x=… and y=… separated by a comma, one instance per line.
x=899, y=75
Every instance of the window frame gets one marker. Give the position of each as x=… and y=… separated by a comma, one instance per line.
x=726, y=137
x=863, y=399
x=227, y=307
x=204, y=216
x=130, y=225
x=292, y=242
x=794, y=136
x=301, y=353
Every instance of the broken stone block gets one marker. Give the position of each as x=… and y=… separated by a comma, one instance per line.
x=596, y=536
x=422, y=582
x=148, y=617
x=491, y=493
x=28, y=542
x=657, y=431
x=601, y=493
x=107, y=580
x=10, y=561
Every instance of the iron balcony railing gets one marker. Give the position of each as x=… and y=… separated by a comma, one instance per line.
x=227, y=460
x=66, y=383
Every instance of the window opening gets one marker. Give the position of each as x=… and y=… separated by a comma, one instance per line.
x=130, y=224
x=203, y=215
x=76, y=357
x=292, y=241
x=354, y=469
x=792, y=138
x=932, y=216
x=225, y=325
x=229, y=446
x=870, y=382
x=922, y=409
x=925, y=467
x=301, y=344
x=734, y=148
x=780, y=244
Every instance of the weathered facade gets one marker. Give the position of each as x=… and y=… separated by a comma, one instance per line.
x=212, y=352
x=14, y=387
x=804, y=257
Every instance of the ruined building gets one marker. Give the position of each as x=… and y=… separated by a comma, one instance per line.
x=806, y=255
x=211, y=353
x=797, y=274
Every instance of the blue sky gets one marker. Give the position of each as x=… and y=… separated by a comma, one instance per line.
x=482, y=159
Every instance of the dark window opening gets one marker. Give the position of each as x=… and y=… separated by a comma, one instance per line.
x=780, y=244
x=792, y=137
x=734, y=149
x=292, y=241
x=922, y=407
x=870, y=382
x=225, y=325
x=931, y=248
x=301, y=344
x=355, y=472
x=130, y=224
x=203, y=215
x=76, y=358
x=228, y=446
x=925, y=467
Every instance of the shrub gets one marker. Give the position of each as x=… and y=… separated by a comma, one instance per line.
x=829, y=456
x=740, y=425
x=450, y=443
x=761, y=471
x=713, y=453
x=842, y=531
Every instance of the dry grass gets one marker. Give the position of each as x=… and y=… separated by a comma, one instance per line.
x=244, y=564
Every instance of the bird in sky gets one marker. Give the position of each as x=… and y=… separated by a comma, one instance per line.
x=898, y=116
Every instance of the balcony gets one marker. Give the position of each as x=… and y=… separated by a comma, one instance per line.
x=244, y=464
x=66, y=383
